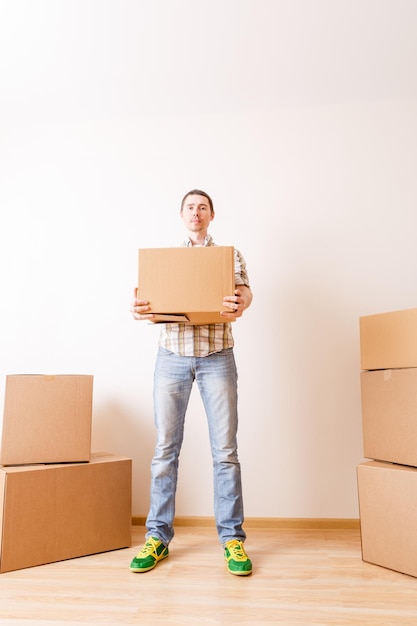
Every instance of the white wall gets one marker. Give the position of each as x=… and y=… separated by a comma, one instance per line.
x=300, y=119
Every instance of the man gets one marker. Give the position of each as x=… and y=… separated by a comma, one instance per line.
x=204, y=354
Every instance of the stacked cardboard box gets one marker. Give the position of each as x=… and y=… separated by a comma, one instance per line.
x=57, y=500
x=387, y=484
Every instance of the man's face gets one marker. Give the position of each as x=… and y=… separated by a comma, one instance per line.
x=196, y=213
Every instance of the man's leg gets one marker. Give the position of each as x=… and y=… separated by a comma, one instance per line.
x=216, y=377
x=173, y=381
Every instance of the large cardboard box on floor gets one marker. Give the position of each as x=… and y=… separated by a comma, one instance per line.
x=389, y=415
x=57, y=512
x=388, y=340
x=388, y=515
x=186, y=284
x=47, y=419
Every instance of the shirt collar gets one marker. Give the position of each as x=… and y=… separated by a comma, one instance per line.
x=208, y=241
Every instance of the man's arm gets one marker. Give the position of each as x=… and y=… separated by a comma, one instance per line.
x=240, y=301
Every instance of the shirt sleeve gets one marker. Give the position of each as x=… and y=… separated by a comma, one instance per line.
x=241, y=274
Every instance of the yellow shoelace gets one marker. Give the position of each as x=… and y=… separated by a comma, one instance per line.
x=237, y=552
x=148, y=548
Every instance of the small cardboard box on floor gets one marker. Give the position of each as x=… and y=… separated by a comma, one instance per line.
x=47, y=419
x=388, y=515
x=56, y=512
x=389, y=415
x=388, y=340
x=186, y=284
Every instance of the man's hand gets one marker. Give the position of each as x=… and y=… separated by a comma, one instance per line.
x=238, y=303
x=138, y=308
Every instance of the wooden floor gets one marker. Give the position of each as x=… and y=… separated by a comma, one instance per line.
x=306, y=577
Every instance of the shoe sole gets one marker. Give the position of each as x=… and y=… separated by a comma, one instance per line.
x=137, y=570
x=239, y=573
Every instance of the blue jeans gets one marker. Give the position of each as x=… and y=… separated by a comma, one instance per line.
x=216, y=378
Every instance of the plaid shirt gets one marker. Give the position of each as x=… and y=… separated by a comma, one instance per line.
x=188, y=340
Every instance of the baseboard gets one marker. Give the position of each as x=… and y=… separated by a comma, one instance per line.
x=267, y=522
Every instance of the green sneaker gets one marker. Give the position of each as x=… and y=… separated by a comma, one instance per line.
x=152, y=552
x=238, y=562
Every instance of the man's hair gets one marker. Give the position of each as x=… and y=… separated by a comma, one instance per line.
x=198, y=192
